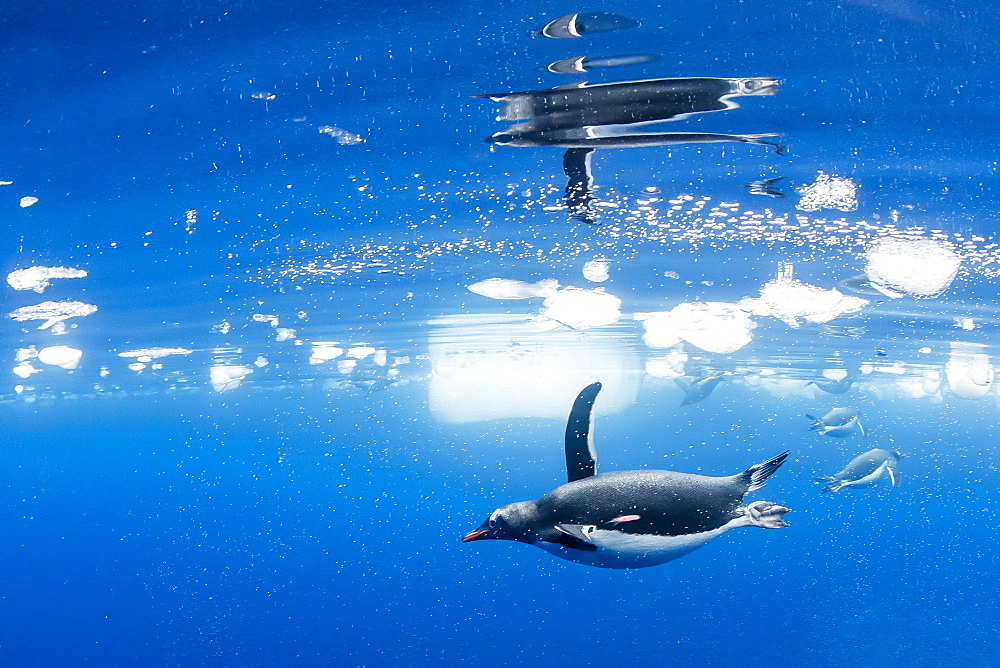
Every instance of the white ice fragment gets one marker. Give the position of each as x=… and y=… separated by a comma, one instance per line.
x=61, y=356
x=924, y=350
x=596, y=270
x=669, y=366
x=262, y=317
x=716, y=327
x=37, y=278
x=968, y=324
x=22, y=354
x=506, y=288
x=222, y=328
x=52, y=312
x=6, y=183
x=582, y=309
x=284, y=334
x=360, y=352
x=28, y=201
x=835, y=374
x=659, y=329
x=346, y=366
x=24, y=369
x=225, y=377
x=969, y=371
x=136, y=366
x=917, y=267
x=260, y=362
x=324, y=352
x=380, y=358
x=147, y=354
x=788, y=300
x=828, y=192
x=105, y=372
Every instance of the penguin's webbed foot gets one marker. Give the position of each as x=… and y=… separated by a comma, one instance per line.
x=766, y=515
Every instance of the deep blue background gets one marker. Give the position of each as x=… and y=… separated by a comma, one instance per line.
x=285, y=524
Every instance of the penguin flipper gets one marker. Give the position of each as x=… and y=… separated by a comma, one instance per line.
x=893, y=475
x=574, y=536
x=758, y=474
x=581, y=457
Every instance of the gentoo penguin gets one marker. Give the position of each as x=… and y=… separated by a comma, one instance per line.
x=839, y=423
x=864, y=470
x=630, y=519
x=698, y=389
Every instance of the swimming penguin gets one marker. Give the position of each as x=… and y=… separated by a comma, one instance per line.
x=839, y=423
x=864, y=470
x=630, y=519
x=698, y=389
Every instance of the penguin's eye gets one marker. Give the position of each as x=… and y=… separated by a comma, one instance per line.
x=493, y=523
x=493, y=519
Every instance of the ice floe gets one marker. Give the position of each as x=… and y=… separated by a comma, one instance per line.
x=28, y=201
x=37, y=278
x=915, y=267
x=61, y=356
x=789, y=300
x=715, y=327
x=324, y=352
x=969, y=371
x=828, y=192
x=225, y=377
x=596, y=270
x=52, y=312
x=582, y=309
x=506, y=288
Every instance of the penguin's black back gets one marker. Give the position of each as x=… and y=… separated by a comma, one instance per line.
x=667, y=503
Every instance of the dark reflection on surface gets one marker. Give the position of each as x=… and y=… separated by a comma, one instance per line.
x=583, y=117
x=766, y=187
x=577, y=25
x=580, y=64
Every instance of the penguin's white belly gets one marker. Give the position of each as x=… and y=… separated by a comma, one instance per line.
x=616, y=549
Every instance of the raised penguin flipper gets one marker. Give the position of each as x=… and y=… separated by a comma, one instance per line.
x=758, y=474
x=581, y=458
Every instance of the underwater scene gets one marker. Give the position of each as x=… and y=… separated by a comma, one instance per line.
x=495, y=333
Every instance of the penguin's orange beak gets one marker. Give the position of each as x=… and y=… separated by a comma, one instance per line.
x=474, y=535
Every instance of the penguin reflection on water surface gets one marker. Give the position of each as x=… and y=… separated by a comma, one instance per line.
x=630, y=519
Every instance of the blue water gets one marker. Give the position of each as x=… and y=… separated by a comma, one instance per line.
x=257, y=498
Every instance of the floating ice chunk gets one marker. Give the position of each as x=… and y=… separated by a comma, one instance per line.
x=324, y=352
x=381, y=358
x=346, y=366
x=260, y=362
x=968, y=324
x=61, y=356
x=670, y=366
x=37, y=278
x=596, y=270
x=342, y=136
x=506, y=288
x=225, y=377
x=136, y=366
x=6, y=183
x=264, y=317
x=360, y=352
x=716, y=327
x=52, y=312
x=153, y=353
x=24, y=369
x=917, y=267
x=222, y=328
x=22, y=354
x=969, y=372
x=28, y=201
x=284, y=334
x=788, y=300
x=582, y=309
x=660, y=331
x=828, y=192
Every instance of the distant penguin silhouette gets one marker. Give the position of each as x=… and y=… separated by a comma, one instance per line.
x=698, y=389
x=839, y=423
x=630, y=519
x=864, y=470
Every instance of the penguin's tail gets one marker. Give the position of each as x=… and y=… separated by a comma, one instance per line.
x=834, y=485
x=758, y=474
x=816, y=422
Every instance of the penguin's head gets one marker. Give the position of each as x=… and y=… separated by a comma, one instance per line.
x=510, y=522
